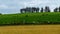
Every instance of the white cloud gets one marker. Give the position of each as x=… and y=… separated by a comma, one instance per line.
x=3, y=6
x=14, y=5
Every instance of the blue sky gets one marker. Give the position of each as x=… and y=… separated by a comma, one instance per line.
x=13, y=6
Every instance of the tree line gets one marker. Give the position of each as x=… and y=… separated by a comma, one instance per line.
x=37, y=9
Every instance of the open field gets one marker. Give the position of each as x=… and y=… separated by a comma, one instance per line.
x=30, y=29
x=30, y=18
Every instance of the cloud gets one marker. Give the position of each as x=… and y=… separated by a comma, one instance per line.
x=11, y=6
x=3, y=6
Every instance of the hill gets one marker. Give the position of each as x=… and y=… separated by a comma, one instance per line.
x=30, y=18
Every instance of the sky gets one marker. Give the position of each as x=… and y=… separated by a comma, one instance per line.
x=14, y=6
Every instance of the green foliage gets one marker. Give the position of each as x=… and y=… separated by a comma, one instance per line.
x=30, y=18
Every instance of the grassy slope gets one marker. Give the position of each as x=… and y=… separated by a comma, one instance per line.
x=30, y=18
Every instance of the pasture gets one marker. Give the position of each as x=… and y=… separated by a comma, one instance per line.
x=30, y=29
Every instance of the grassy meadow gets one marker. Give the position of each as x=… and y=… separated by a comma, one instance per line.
x=31, y=18
x=31, y=29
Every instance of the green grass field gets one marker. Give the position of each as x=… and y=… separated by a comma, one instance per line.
x=30, y=18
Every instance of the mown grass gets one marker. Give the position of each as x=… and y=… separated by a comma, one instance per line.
x=31, y=18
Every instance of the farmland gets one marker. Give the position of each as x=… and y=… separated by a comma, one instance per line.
x=31, y=29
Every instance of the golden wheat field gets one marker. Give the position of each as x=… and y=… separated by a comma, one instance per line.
x=30, y=29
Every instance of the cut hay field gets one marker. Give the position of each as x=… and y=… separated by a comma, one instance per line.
x=30, y=29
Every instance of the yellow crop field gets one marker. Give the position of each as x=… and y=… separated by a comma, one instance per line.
x=30, y=29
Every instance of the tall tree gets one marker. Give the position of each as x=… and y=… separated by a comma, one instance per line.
x=42, y=9
x=56, y=9
x=28, y=9
x=33, y=9
x=59, y=9
x=37, y=10
x=47, y=9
